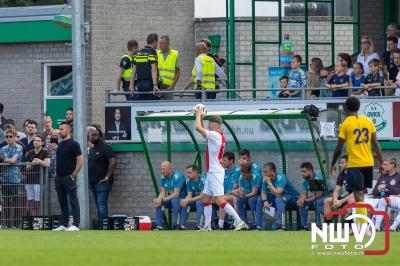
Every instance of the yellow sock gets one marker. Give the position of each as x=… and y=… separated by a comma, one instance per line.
x=362, y=211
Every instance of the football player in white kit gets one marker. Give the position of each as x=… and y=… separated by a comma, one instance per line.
x=214, y=186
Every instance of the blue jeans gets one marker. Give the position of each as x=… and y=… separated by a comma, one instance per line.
x=100, y=194
x=255, y=204
x=319, y=209
x=199, y=211
x=280, y=203
x=176, y=208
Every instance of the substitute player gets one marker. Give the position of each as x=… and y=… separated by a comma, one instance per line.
x=214, y=186
x=358, y=133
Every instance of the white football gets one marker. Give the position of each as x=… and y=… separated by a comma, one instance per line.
x=201, y=106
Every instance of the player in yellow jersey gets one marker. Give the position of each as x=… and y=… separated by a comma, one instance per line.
x=357, y=132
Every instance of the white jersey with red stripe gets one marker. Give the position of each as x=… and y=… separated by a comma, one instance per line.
x=214, y=151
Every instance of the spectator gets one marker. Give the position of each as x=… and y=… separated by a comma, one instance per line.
x=396, y=68
x=248, y=194
x=383, y=70
x=244, y=157
x=48, y=126
x=325, y=76
x=397, y=86
x=25, y=125
x=374, y=79
x=231, y=182
x=203, y=73
x=11, y=125
x=11, y=176
x=356, y=78
x=297, y=77
x=169, y=67
x=194, y=185
x=367, y=53
x=3, y=120
x=145, y=71
x=69, y=163
x=314, y=79
x=337, y=201
x=312, y=182
x=69, y=115
x=31, y=133
x=346, y=59
x=51, y=146
x=278, y=192
x=101, y=164
x=389, y=53
x=172, y=190
x=393, y=31
x=339, y=81
x=283, y=81
x=125, y=69
x=37, y=157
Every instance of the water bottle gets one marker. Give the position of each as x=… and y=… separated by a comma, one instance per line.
x=286, y=51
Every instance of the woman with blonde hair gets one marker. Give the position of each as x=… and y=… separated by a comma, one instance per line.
x=367, y=53
x=314, y=79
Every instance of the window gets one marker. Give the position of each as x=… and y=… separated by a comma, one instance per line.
x=58, y=80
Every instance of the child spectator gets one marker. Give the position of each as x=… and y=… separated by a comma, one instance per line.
x=325, y=75
x=356, y=78
x=284, y=80
x=374, y=79
x=314, y=79
x=346, y=59
x=339, y=80
x=297, y=77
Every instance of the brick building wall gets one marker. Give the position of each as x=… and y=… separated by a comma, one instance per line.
x=113, y=23
x=372, y=23
x=21, y=77
x=268, y=55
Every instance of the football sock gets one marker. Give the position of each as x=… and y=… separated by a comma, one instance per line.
x=221, y=223
x=362, y=211
x=207, y=214
x=231, y=211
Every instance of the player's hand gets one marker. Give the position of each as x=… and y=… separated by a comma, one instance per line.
x=199, y=111
x=336, y=204
x=157, y=202
x=184, y=202
x=381, y=169
x=266, y=205
x=300, y=202
x=267, y=179
x=381, y=187
x=156, y=90
x=242, y=161
x=333, y=170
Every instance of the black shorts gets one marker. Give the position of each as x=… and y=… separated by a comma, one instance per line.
x=360, y=178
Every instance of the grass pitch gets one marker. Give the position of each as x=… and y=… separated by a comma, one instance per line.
x=175, y=248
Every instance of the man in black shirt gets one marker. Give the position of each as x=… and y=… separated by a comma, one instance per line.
x=395, y=69
x=69, y=163
x=337, y=201
x=101, y=166
x=32, y=130
x=146, y=72
x=38, y=157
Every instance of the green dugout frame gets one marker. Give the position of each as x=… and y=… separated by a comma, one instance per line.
x=265, y=116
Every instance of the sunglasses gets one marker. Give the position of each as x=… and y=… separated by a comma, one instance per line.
x=9, y=137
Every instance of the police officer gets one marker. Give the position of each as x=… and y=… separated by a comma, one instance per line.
x=146, y=71
x=124, y=72
x=169, y=66
x=203, y=73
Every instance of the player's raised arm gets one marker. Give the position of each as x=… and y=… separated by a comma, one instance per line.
x=199, y=122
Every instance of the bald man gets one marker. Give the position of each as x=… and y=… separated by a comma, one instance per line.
x=173, y=189
x=198, y=78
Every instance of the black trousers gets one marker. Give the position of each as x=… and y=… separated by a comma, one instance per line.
x=66, y=188
x=146, y=86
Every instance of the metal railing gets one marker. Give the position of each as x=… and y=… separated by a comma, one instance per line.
x=244, y=94
x=23, y=193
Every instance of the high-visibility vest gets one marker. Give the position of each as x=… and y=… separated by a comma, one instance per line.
x=127, y=74
x=166, y=68
x=207, y=72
